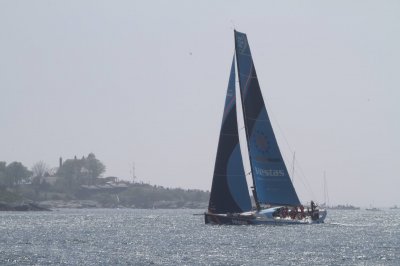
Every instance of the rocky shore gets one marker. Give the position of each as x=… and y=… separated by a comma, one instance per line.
x=70, y=204
x=22, y=206
x=49, y=205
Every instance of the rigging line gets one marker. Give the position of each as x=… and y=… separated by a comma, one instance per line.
x=293, y=165
x=288, y=145
x=305, y=178
x=279, y=127
x=302, y=180
x=307, y=186
x=299, y=172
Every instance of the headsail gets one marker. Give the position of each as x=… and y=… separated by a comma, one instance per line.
x=229, y=192
x=270, y=176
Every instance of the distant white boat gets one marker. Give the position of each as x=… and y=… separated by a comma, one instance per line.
x=344, y=207
x=372, y=209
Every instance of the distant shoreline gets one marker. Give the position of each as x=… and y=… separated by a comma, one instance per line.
x=30, y=206
x=50, y=205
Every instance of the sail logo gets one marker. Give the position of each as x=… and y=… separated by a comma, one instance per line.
x=261, y=142
x=269, y=172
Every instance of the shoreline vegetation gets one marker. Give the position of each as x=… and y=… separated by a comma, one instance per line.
x=77, y=183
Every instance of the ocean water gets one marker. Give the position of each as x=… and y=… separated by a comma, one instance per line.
x=177, y=237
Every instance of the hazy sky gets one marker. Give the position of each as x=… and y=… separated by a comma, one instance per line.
x=145, y=82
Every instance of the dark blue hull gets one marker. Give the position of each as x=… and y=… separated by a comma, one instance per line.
x=210, y=218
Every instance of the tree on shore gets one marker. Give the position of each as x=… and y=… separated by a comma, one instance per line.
x=94, y=167
x=40, y=169
x=3, y=174
x=13, y=174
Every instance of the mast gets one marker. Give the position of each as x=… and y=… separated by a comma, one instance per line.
x=253, y=188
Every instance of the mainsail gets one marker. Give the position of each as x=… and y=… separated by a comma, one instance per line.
x=229, y=192
x=270, y=177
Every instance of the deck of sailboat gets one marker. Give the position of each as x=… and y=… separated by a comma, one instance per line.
x=259, y=218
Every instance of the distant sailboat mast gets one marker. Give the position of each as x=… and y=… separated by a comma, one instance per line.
x=326, y=195
x=133, y=172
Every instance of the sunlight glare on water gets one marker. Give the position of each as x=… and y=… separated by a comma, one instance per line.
x=171, y=237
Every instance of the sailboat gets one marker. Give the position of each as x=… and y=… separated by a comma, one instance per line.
x=275, y=198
